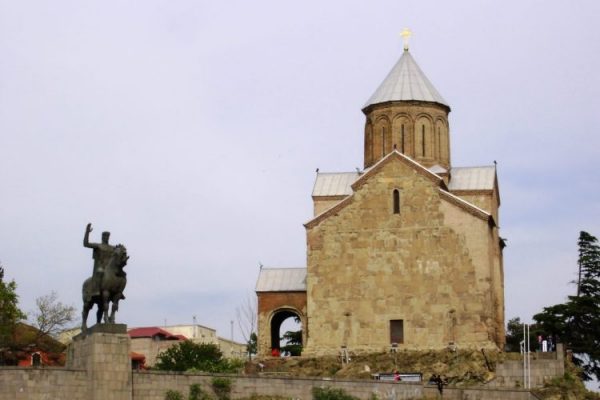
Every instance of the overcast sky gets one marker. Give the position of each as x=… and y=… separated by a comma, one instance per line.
x=192, y=130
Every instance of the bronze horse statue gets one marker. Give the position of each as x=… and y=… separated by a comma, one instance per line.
x=112, y=283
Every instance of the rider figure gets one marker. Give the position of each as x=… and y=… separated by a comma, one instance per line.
x=102, y=255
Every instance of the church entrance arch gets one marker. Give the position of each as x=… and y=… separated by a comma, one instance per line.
x=277, y=319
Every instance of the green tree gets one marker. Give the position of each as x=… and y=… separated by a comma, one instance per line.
x=514, y=335
x=10, y=313
x=187, y=355
x=293, y=342
x=577, y=322
x=252, y=345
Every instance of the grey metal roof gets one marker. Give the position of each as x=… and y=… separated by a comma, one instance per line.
x=406, y=81
x=472, y=178
x=334, y=184
x=438, y=169
x=281, y=280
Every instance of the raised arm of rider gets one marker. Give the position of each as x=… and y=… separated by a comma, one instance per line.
x=86, y=238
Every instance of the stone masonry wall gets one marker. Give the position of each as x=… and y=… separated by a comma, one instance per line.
x=479, y=394
x=104, y=354
x=153, y=386
x=18, y=383
x=67, y=384
x=431, y=266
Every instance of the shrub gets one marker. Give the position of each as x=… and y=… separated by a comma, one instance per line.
x=331, y=394
x=222, y=387
x=196, y=393
x=190, y=356
x=173, y=395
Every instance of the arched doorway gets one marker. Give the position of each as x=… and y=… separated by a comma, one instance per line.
x=287, y=332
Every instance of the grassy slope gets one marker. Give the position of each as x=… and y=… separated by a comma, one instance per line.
x=461, y=368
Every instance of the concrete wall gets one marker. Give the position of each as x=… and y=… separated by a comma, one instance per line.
x=510, y=373
x=231, y=349
x=151, y=348
x=194, y=332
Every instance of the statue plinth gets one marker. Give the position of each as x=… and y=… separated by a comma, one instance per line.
x=103, y=351
x=102, y=328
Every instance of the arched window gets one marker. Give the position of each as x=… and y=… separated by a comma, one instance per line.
x=369, y=145
x=423, y=140
x=382, y=141
x=396, y=198
x=402, y=138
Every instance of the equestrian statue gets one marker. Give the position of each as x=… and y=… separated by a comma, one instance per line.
x=108, y=280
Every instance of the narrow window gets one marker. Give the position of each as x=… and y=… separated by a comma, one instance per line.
x=423, y=140
x=439, y=143
x=397, y=331
x=382, y=141
x=402, y=138
x=396, y=201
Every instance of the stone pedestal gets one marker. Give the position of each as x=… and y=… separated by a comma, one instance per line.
x=103, y=351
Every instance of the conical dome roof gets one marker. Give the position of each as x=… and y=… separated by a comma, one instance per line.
x=406, y=81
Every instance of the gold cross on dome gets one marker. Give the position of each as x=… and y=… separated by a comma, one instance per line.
x=406, y=34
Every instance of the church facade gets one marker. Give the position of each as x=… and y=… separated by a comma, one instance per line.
x=405, y=253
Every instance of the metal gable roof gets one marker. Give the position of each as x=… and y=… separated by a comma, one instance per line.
x=281, y=280
x=472, y=178
x=334, y=184
x=406, y=81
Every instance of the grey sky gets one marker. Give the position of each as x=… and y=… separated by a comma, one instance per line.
x=192, y=129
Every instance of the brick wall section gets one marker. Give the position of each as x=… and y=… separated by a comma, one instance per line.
x=387, y=118
x=42, y=384
x=268, y=303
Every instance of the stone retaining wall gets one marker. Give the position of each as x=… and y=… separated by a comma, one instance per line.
x=27, y=383
x=18, y=383
x=99, y=368
x=153, y=386
x=479, y=394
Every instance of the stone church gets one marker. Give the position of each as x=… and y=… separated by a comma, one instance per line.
x=404, y=254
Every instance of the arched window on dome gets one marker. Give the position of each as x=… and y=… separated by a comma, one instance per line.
x=423, y=140
x=438, y=143
x=396, y=201
x=369, y=144
x=402, y=138
x=442, y=141
x=383, y=141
